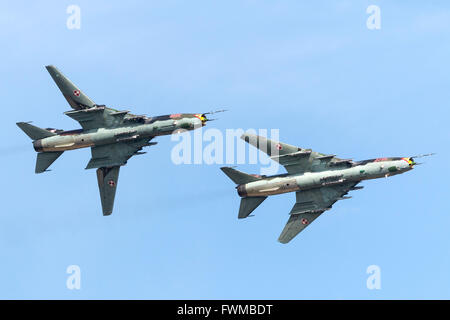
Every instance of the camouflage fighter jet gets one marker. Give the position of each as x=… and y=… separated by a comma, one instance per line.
x=319, y=180
x=113, y=136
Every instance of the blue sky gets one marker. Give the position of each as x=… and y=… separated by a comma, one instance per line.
x=312, y=70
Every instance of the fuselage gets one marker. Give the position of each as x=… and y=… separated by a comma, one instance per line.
x=364, y=170
x=143, y=128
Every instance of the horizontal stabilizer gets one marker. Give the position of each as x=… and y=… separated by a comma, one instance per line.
x=248, y=205
x=34, y=132
x=45, y=159
x=239, y=177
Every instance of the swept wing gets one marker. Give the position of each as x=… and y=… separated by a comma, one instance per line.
x=116, y=154
x=310, y=205
x=86, y=111
x=296, y=160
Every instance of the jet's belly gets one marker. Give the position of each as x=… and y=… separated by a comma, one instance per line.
x=270, y=187
x=63, y=143
x=328, y=178
x=306, y=181
x=167, y=127
x=89, y=139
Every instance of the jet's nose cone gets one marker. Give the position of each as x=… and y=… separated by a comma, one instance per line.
x=202, y=118
x=408, y=163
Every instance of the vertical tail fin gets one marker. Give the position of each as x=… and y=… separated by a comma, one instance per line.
x=34, y=132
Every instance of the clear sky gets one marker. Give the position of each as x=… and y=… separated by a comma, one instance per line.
x=312, y=70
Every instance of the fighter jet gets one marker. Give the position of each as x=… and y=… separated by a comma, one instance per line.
x=318, y=180
x=114, y=136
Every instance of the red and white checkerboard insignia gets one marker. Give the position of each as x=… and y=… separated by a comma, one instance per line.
x=111, y=183
x=278, y=146
x=76, y=93
x=304, y=221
